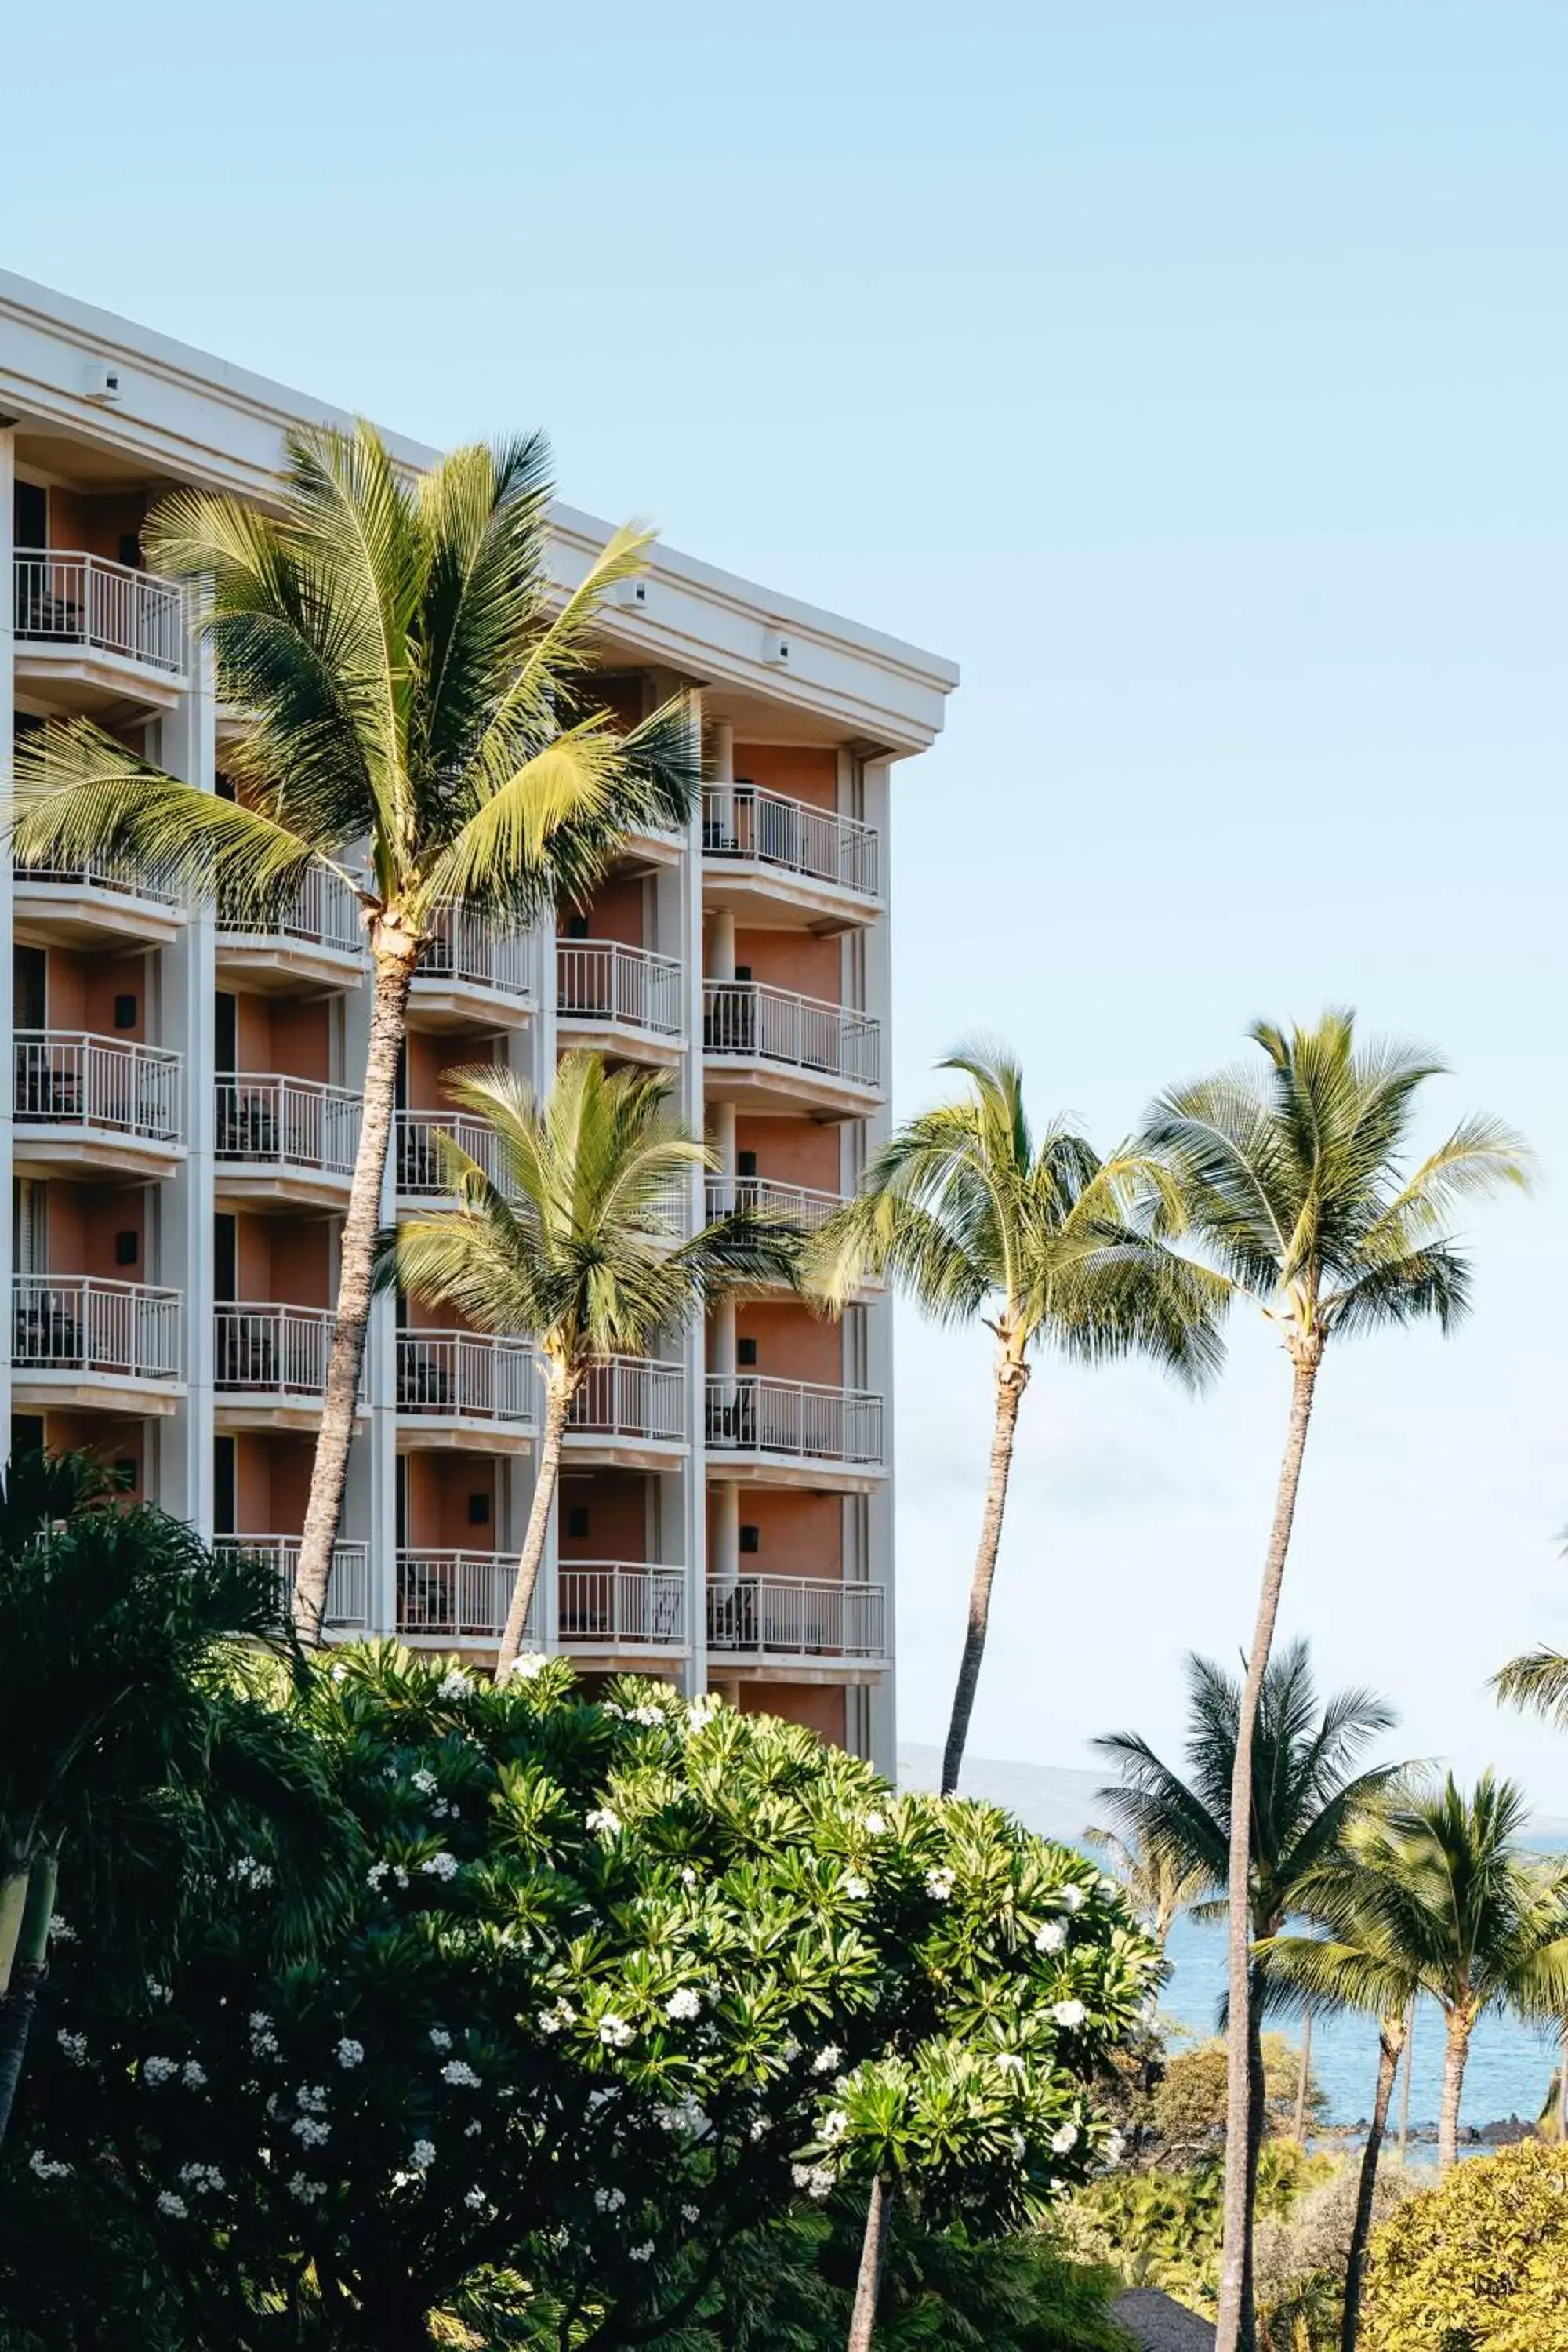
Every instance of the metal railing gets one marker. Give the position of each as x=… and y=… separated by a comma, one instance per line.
x=320, y=910
x=773, y=1024
x=620, y=1603
x=631, y=1396
x=800, y=1203
x=72, y=1080
x=457, y=1596
x=468, y=947
x=600, y=980
x=85, y=1323
x=67, y=598
x=746, y=821
x=751, y=1413
x=272, y=1350
x=417, y=1157
x=348, y=1589
x=797, y=1617
x=100, y=871
x=283, y=1122
x=466, y=1376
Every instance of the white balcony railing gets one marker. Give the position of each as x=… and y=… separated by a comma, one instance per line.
x=466, y=1376
x=420, y=1173
x=268, y=1350
x=321, y=911
x=74, y=1080
x=348, y=1590
x=65, y=598
x=751, y=1018
x=745, y=821
x=798, y=1202
x=118, y=876
x=600, y=980
x=282, y=1122
x=797, y=1617
x=804, y=1419
x=457, y=1596
x=82, y=1323
x=463, y=946
x=620, y=1604
x=631, y=1396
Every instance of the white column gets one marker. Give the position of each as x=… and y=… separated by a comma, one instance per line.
x=370, y=1497
x=693, y=1350
x=8, y=717
x=878, y=1312
x=187, y=980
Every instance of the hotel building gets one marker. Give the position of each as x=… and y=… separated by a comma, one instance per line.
x=182, y=1116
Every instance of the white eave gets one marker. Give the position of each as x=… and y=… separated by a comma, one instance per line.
x=183, y=414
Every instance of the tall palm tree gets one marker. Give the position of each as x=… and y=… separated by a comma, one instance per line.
x=1043, y=1241
x=1159, y=1885
x=570, y=1241
x=1302, y=1190
x=412, y=694
x=1306, y=1787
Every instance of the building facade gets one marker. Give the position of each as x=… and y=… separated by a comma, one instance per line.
x=182, y=1115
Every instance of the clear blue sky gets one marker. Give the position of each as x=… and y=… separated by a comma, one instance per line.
x=1196, y=375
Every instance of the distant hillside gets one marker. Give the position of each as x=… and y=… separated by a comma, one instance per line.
x=1046, y=1798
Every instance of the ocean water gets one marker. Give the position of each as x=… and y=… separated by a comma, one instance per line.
x=1511, y=2063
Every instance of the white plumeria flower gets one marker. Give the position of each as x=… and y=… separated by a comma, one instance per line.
x=47, y=2167
x=422, y=2155
x=312, y=2098
x=609, y=2200
x=1072, y=1898
x=1010, y=2062
x=454, y=1685
x=691, y=2213
x=689, y=1876
x=605, y=1820
x=1050, y=1936
x=439, y=2038
x=643, y=2254
x=425, y=1782
x=440, y=1865
x=939, y=1885
x=1069, y=2013
x=614, y=2031
x=155, y=2070
x=834, y=2125
x=61, y=1931
x=173, y=2206
x=827, y=2059
x=528, y=1663
x=683, y=2005
x=875, y=1824
x=555, y=2019
x=350, y=2053
x=854, y=1886
x=192, y=2075
x=203, y=2176
x=311, y=2133
x=472, y=2131
x=377, y=1872
x=74, y=2046
x=1064, y=2139
x=461, y=2074
x=161, y=1993
x=307, y=2191
x=475, y=2200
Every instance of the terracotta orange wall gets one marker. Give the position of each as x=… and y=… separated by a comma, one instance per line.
x=620, y=692
x=272, y=1479
x=289, y=1034
x=439, y=1485
x=616, y=1504
x=95, y=524
x=430, y=1056
x=285, y=1259
x=798, y=1534
x=795, y=960
x=793, y=1151
x=820, y=1708
x=615, y=912
x=81, y=990
x=793, y=1344
x=107, y=1440
x=83, y=1220
x=803, y=773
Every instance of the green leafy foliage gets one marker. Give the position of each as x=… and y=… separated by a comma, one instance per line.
x=1188, y=2104
x=1479, y=2264
x=1162, y=2229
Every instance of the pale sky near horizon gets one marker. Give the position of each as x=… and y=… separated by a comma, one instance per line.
x=1195, y=375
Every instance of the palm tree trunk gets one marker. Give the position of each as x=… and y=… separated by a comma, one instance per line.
x=1456, y=2051
x=27, y=1975
x=1404, y=2087
x=1238, y=2218
x=1256, y=2119
x=1011, y=1380
x=1390, y=2043
x=1563, y=2085
x=1303, y=2078
x=873, y=2261
x=388, y=1026
x=557, y=1406
x=13, y=1902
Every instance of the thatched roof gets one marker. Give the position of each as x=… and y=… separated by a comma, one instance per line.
x=1153, y=2320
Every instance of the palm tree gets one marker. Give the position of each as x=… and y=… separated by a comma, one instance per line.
x=411, y=693
x=1045, y=1244
x=1160, y=1886
x=1305, y=1788
x=1301, y=1189
x=571, y=1242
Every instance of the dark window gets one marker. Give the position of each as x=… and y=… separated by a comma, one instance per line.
x=751, y=1539
x=226, y=1031
x=30, y=987
x=577, y=926
x=224, y=787
x=26, y=1434
x=130, y=550
x=127, y=1248
x=225, y=1259
x=745, y=1351
x=745, y=1163
x=223, y=1485
x=30, y=515
x=577, y=1520
x=478, y=1510
x=125, y=1012
x=743, y=971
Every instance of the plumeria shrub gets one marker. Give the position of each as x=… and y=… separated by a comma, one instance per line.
x=617, y=1983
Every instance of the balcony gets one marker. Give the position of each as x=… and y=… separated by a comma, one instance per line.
x=101, y=903
x=632, y=1411
x=348, y=1590
x=459, y=1597
x=809, y=1622
x=607, y=1607
x=471, y=971
x=313, y=941
x=620, y=999
x=92, y=631
x=771, y=1044
x=764, y=854
x=85, y=1104
x=418, y=1173
x=81, y=1340
x=284, y=1141
x=465, y=1390
x=794, y=1433
x=269, y=1364
x=800, y=1205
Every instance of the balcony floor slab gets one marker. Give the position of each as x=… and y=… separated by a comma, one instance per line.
x=731, y=1466
x=443, y=1004
x=73, y=1391
x=77, y=914
x=254, y=1184
x=46, y=1150
x=619, y=1041
x=420, y=1433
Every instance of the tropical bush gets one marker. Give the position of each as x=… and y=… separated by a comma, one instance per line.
x=608, y=1985
x=1300, y=2257
x=1188, y=2104
x=1479, y=2264
x=1162, y=2229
